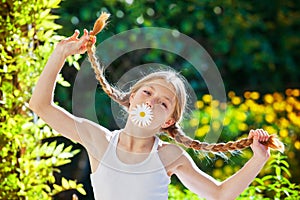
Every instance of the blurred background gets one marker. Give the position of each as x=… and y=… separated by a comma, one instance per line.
x=255, y=45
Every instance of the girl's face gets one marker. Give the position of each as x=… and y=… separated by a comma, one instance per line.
x=160, y=97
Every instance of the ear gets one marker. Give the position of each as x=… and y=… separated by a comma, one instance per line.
x=168, y=123
x=131, y=96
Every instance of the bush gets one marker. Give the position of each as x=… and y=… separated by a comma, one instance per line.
x=27, y=162
x=275, y=185
x=278, y=114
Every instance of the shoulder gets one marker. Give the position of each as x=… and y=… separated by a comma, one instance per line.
x=90, y=128
x=93, y=137
x=173, y=156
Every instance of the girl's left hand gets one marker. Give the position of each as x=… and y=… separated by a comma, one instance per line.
x=260, y=150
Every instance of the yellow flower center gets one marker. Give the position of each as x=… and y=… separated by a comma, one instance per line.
x=142, y=114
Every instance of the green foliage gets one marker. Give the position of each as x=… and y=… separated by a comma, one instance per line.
x=275, y=185
x=255, y=44
x=28, y=163
x=176, y=194
x=248, y=40
x=274, y=112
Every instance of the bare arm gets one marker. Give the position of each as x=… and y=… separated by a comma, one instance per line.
x=207, y=187
x=42, y=103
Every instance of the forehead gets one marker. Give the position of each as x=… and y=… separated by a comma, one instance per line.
x=167, y=89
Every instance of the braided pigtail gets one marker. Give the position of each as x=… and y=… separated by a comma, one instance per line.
x=117, y=95
x=178, y=135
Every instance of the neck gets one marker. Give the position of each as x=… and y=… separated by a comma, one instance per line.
x=134, y=142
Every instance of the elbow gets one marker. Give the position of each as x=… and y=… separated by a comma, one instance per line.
x=32, y=105
x=222, y=193
x=219, y=193
x=35, y=106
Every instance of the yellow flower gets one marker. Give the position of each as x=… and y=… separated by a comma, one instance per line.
x=241, y=116
x=283, y=122
x=296, y=92
x=270, y=129
x=231, y=94
x=243, y=126
x=283, y=133
x=200, y=132
x=217, y=173
x=270, y=118
x=219, y=163
x=236, y=100
x=226, y=121
x=247, y=95
x=204, y=120
x=207, y=98
x=228, y=170
x=297, y=145
x=268, y=98
x=194, y=122
x=199, y=104
x=254, y=95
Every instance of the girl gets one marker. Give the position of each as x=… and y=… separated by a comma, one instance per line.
x=132, y=163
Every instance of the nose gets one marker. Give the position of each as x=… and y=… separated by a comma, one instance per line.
x=150, y=103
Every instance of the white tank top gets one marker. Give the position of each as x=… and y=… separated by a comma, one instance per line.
x=115, y=180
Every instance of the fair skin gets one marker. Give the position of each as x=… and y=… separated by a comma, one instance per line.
x=139, y=141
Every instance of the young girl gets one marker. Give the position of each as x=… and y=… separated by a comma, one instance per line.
x=133, y=163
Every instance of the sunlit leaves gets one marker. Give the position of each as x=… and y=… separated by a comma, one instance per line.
x=67, y=185
x=27, y=163
x=275, y=185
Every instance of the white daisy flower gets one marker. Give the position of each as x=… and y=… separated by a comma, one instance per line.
x=141, y=115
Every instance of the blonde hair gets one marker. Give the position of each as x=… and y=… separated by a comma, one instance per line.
x=174, y=131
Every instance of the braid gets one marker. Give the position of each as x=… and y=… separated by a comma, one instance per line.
x=177, y=134
x=117, y=95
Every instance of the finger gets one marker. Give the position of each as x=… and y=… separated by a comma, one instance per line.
x=85, y=32
x=251, y=134
x=84, y=39
x=263, y=135
x=75, y=34
x=74, y=197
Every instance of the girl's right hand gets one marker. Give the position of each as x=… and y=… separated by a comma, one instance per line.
x=74, y=45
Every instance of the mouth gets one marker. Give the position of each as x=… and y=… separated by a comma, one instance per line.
x=141, y=115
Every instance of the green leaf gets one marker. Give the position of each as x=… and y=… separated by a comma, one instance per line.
x=72, y=184
x=57, y=187
x=58, y=150
x=278, y=173
x=81, y=190
x=285, y=163
x=65, y=183
x=64, y=155
x=53, y=3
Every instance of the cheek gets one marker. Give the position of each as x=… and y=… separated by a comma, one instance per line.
x=159, y=114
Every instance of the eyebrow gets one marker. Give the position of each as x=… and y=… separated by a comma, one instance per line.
x=165, y=97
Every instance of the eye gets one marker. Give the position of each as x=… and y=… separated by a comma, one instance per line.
x=147, y=92
x=164, y=104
